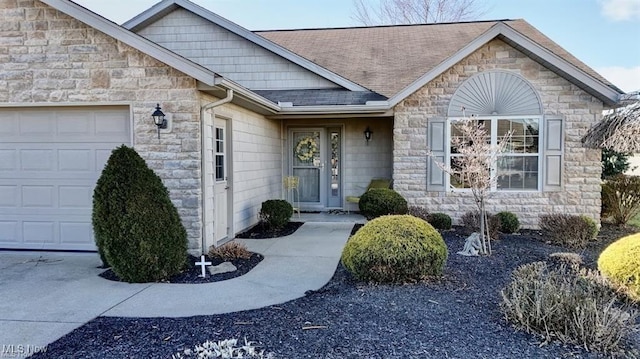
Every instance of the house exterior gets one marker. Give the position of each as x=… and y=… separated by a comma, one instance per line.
x=246, y=109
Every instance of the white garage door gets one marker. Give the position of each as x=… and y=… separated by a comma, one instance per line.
x=50, y=160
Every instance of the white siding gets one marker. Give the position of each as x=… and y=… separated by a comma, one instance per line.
x=256, y=163
x=229, y=54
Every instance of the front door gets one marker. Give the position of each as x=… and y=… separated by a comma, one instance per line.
x=316, y=162
x=221, y=184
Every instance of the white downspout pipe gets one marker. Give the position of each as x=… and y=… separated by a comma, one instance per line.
x=203, y=111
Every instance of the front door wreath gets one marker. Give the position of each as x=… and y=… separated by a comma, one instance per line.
x=306, y=149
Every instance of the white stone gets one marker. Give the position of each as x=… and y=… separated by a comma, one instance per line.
x=222, y=268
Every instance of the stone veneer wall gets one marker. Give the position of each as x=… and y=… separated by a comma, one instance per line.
x=578, y=109
x=47, y=57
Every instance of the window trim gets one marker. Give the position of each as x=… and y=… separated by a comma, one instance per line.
x=494, y=137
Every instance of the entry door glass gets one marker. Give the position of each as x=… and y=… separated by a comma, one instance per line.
x=334, y=197
x=308, y=164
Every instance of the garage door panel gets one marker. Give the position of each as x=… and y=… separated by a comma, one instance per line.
x=76, y=197
x=76, y=233
x=9, y=196
x=8, y=159
x=75, y=160
x=9, y=231
x=38, y=196
x=50, y=160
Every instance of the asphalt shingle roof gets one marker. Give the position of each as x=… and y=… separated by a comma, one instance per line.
x=324, y=97
x=386, y=59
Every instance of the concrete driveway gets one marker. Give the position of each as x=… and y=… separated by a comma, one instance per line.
x=45, y=295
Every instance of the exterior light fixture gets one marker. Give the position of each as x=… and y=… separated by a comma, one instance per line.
x=158, y=119
x=367, y=134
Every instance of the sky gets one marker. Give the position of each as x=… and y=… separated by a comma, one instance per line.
x=604, y=34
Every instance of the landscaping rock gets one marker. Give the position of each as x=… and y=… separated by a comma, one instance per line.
x=224, y=267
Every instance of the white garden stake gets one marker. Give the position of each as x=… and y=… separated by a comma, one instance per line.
x=203, y=265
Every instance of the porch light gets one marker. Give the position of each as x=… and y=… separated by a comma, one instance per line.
x=158, y=119
x=367, y=134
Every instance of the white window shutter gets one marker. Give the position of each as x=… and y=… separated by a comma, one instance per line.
x=553, y=155
x=436, y=142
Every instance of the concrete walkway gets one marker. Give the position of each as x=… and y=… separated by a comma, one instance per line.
x=45, y=295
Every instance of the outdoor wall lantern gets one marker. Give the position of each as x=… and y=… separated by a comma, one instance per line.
x=159, y=120
x=367, y=134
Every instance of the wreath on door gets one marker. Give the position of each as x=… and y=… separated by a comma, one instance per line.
x=306, y=149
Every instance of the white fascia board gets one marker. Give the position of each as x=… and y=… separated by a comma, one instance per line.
x=336, y=109
x=506, y=31
x=138, y=42
x=246, y=34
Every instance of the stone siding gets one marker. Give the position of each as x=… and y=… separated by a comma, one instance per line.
x=579, y=110
x=46, y=57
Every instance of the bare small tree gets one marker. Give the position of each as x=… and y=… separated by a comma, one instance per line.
x=398, y=12
x=472, y=167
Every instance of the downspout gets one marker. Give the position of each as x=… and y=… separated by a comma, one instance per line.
x=203, y=110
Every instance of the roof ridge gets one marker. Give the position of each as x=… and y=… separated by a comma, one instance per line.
x=387, y=26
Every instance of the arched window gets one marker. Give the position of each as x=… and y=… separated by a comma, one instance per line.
x=504, y=102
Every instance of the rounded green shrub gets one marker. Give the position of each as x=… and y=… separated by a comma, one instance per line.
x=440, y=221
x=378, y=202
x=395, y=249
x=275, y=213
x=509, y=222
x=137, y=229
x=620, y=263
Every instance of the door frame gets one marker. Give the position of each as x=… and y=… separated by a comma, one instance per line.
x=325, y=174
x=208, y=179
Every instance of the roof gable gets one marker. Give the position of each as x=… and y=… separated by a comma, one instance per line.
x=281, y=58
x=112, y=29
x=397, y=60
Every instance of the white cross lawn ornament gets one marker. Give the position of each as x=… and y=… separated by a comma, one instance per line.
x=203, y=265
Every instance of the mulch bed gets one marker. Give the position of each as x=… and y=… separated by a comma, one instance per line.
x=455, y=317
x=260, y=232
x=192, y=273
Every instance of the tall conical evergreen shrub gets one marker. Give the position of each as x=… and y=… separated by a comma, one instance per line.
x=137, y=229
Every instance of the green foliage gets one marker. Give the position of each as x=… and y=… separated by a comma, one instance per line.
x=275, y=213
x=137, y=229
x=471, y=223
x=614, y=163
x=569, y=230
x=509, y=222
x=378, y=202
x=395, y=249
x=440, y=221
x=621, y=198
x=567, y=303
x=620, y=262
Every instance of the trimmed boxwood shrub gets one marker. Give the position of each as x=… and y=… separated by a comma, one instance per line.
x=378, y=202
x=620, y=262
x=137, y=229
x=395, y=249
x=275, y=213
x=440, y=221
x=509, y=222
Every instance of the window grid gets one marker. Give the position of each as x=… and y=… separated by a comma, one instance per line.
x=518, y=169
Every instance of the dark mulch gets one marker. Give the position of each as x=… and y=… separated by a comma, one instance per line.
x=260, y=232
x=192, y=273
x=456, y=317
